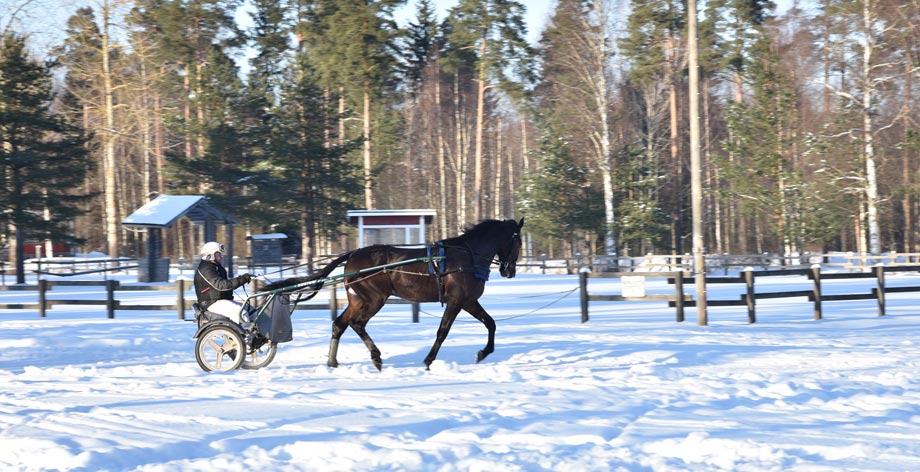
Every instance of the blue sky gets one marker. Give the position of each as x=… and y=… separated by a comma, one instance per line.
x=538, y=11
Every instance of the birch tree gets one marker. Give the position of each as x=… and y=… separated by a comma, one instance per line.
x=91, y=38
x=879, y=66
x=577, y=54
x=494, y=32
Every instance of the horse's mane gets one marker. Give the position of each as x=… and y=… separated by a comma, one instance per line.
x=477, y=230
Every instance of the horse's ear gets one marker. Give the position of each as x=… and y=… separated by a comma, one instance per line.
x=521, y=224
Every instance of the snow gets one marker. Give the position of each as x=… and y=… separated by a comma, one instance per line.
x=629, y=390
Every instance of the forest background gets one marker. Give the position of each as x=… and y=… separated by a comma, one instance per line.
x=287, y=113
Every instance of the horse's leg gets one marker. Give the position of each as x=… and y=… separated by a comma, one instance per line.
x=359, y=328
x=447, y=320
x=478, y=312
x=358, y=323
x=338, y=328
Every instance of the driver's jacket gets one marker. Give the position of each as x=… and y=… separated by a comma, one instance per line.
x=212, y=284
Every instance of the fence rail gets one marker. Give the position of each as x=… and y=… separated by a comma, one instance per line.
x=749, y=298
x=725, y=263
x=183, y=300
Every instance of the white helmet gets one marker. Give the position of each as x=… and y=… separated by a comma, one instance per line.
x=210, y=248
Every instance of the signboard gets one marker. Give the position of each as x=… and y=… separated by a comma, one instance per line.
x=633, y=286
x=266, y=248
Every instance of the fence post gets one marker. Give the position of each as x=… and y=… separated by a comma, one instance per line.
x=679, y=299
x=816, y=277
x=110, y=297
x=880, y=291
x=583, y=288
x=333, y=303
x=42, y=306
x=750, y=297
x=180, y=298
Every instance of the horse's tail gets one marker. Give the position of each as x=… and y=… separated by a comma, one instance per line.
x=294, y=281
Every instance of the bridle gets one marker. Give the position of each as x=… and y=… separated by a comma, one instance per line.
x=507, y=265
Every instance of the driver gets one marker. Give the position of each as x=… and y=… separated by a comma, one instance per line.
x=212, y=287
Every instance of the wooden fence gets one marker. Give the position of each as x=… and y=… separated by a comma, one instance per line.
x=666, y=263
x=750, y=296
x=183, y=303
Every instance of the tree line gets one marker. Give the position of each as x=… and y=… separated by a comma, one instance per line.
x=809, y=130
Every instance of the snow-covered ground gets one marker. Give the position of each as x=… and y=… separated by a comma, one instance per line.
x=629, y=390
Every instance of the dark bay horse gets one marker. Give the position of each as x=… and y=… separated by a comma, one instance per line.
x=457, y=281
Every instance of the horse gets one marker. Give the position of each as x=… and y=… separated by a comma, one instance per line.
x=453, y=271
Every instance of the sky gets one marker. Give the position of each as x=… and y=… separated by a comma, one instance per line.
x=45, y=20
x=630, y=390
x=538, y=13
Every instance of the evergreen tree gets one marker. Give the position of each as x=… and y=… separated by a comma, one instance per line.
x=270, y=41
x=654, y=45
x=316, y=177
x=224, y=170
x=770, y=185
x=494, y=31
x=352, y=48
x=421, y=46
x=576, y=56
x=560, y=204
x=42, y=160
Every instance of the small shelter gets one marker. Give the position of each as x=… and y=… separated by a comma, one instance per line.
x=391, y=226
x=266, y=248
x=161, y=213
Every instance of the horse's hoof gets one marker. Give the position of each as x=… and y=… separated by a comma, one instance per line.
x=481, y=355
x=379, y=366
x=332, y=364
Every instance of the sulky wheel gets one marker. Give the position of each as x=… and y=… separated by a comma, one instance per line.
x=261, y=353
x=219, y=348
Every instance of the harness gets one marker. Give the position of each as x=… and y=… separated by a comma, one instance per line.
x=437, y=265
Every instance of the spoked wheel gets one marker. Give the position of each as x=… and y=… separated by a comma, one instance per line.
x=219, y=348
x=261, y=355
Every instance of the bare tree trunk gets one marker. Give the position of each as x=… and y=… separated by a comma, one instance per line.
x=480, y=124
x=108, y=140
x=497, y=171
x=187, y=111
x=872, y=198
x=676, y=243
x=442, y=164
x=368, y=178
x=696, y=168
x=907, y=171
x=460, y=155
x=713, y=171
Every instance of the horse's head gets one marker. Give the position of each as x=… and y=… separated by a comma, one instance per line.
x=510, y=250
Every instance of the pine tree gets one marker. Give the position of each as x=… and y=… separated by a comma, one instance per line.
x=98, y=79
x=494, y=31
x=560, y=203
x=576, y=57
x=770, y=185
x=270, y=41
x=43, y=159
x=421, y=43
x=316, y=177
x=351, y=46
x=654, y=44
x=224, y=170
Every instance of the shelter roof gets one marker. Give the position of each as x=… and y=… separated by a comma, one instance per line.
x=163, y=211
